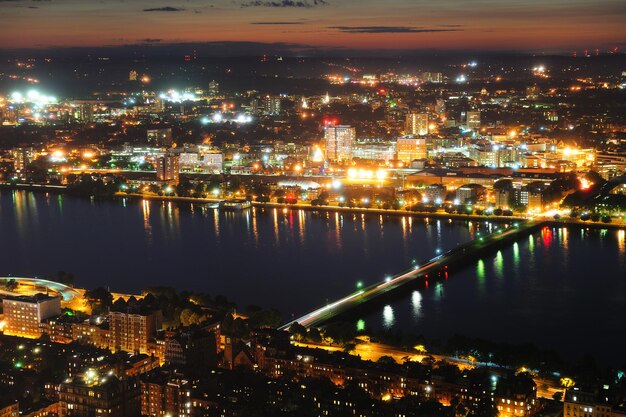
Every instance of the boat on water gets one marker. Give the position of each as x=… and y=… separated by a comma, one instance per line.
x=235, y=205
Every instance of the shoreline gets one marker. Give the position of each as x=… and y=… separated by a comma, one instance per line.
x=563, y=222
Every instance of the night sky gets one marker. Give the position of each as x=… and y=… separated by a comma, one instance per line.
x=514, y=25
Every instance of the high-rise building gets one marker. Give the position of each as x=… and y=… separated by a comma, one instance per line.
x=473, y=120
x=132, y=75
x=167, y=168
x=214, y=88
x=416, y=124
x=130, y=331
x=24, y=314
x=267, y=106
x=432, y=77
x=160, y=137
x=21, y=158
x=410, y=148
x=339, y=140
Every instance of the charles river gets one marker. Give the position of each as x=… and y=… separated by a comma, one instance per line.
x=559, y=288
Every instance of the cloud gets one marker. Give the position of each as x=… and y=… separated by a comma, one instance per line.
x=164, y=9
x=151, y=40
x=389, y=29
x=277, y=23
x=306, y=4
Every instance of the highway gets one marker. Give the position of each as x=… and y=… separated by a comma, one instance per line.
x=434, y=265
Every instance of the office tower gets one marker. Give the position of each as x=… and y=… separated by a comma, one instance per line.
x=167, y=168
x=416, y=124
x=339, y=141
x=214, y=88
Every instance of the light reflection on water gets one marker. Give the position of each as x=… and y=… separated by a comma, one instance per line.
x=541, y=288
x=296, y=260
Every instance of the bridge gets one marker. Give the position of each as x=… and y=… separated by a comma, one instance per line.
x=457, y=256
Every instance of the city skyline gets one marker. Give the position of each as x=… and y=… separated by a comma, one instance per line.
x=302, y=26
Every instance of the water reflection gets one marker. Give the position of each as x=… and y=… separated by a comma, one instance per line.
x=147, y=226
x=388, y=318
x=480, y=274
x=499, y=265
x=416, y=302
x=516, y=256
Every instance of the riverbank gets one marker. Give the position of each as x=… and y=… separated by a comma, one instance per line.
x=563, y=222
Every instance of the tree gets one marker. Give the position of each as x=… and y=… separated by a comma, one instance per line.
x=65, y=278
x=10, y=285
x=189, y=317
x=313, y=335
x=340, y=332
x=265, y=318
x=298, y=331
x=386, y=361
x=99, y=299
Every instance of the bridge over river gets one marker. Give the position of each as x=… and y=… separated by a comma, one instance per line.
x=457, y=256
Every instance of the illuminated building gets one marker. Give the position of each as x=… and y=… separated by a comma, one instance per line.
x=21, y=158
x=9, y=408
x=416, y=124
x=267, y=106
x=92, y=334
x=24, y=315
x=432, y=77
x=592, y=403
x=160, y=137
x=162, y=395
x=214, y=88
x=131, y=331
x=434, y=193
x=581, y=157
x=473, y=120
x=83, y=111
x=132, y=75
x=469, y=193
x=495, y=156
x=410, y=148
x=374, y=151
x=167, y=168
x=339, y=141
x=440, y=107
x=95, y=396
x=515, y=396
x=213, y=161
x=188, y=161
